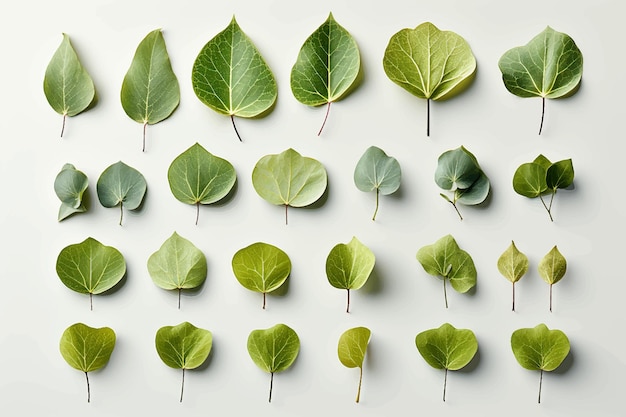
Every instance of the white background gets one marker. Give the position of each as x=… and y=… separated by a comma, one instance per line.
x=399, y=300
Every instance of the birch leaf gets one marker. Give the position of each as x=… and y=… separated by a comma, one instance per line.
x=377, y=172
x=513, y=265
x=121, y=185
x=70, y=185
x=351, y=350
x=552, y=268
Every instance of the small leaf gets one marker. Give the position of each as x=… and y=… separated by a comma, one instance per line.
x=540, y=349
x=177, y=265
x=447, y=348
x=68, y=87
x=513, y=265
x=197, y=177
x=90, y=267
x=87, y=349
x=274, y=349
x=529, y=180
x=70, y=185
x=184, y=346
x=327, y=66
x=351, y=350
x=552, y=268
x=121, y=185
x=378, y=172
x=231, y=77
x=261, y=267
x=150, y=90
x=560, y=174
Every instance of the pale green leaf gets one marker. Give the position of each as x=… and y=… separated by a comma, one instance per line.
x=552, y=268
x=121, y=185
x=351, y=350
x=70, y=185
x=513, y=265
x=377, y=172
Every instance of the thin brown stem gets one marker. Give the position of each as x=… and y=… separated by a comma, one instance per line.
x=286, y=220
x=143, y=149
x=197, y=212
x=121, y=213
x=88, y=388
x=550, y=298
x=325, y=118
x=264, y=297
x=271, y=386
x=232, y=119
x=63, y=124
x=358, y=392
x=377, y=198
x=457, y=210
x=540, y=382
x=546, y=207
x=543, y=111
x=445, y=383
x=427, y=117
x=91, y=301
x=348, y=303
x=182, y=386
x=513, y=309
x=180, y=290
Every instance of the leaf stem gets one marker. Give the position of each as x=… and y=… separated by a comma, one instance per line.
x=540, y=382
x=143, y=149
x=232, y=119
x=445, y=383
x=325, y=118
x=348, y=303
x=546, y=207
x=543, y=111
x=182, y=386
x=513, y=309
x=286, y=206
x=445, y=292
x=457, y=209
x=180, y=290
x=358, y=392
x=264, y=296
x=377, y=198
x=197, y=212
x=271, y=386
x=427, y=117
x=63, y=124
x=88, y=388
x=550, y=298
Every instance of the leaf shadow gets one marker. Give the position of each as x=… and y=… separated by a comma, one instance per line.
x=114, y=289
x=320, y=201
x=566, y=365
x=283, y=290
x=461, y=87
x=374, y=284
x=473, y=364
x=228, y=197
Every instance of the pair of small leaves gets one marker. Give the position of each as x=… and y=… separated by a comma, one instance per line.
x=446, y=260
x=448, y=348
x=184, y=346
x=327, y=66
x=429, y=63
x=351, y=351
x=121, y=185
x=348, y=266
x=377, y=172
x=540, y=177
x=458, y=171
x=549, y=66
x=69, y=185
x=540, y=349
x=231, y=77
x=87, y=349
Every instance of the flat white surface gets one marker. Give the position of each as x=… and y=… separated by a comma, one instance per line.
x=399, y=301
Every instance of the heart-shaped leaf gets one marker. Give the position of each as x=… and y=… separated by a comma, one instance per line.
x=87, y=349
x=68, y=87
x=448, y=348
x=231, y=77
x=121, y=185
x=348, y=266
x=552, y=268
x=289, y=179
x=70, y=185
x=184, y=346
x=513, y=264
x=150, y=90
x=90, y=267
x=177, y=265
x=540, y=349
x=261, y=267
x=274, y=349
x=429, y=63
x=560, y=174
x=197, y=177
x=351, y=350
x=529, y=180
x=378, y=172
x=327, y=66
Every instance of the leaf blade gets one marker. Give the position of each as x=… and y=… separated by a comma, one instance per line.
x=178, y=264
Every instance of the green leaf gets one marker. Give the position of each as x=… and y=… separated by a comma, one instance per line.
x=351, y=350
x=274, y=349
x=543, y=161
x=445, y=259
x=177, y=265
x=68, y=87
x=121, y=185
x=184, y=346
x=348, y=266
x=198, y=177
x=261, y=267
x=549, y=66
x=231, y=77
x=378, y=172
x=289, y=179
x=70, y=185
x=90, y=267
x=327, y=66
x=447, y=348
x=529, y=180
x=560, y=174
x=86, y=348
x=429, y=63
x=150, y=90
x=539, y=349
x=513, y=265
x=552, y=268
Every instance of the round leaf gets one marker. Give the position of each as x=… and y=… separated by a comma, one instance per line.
x=352, y=346
x=377, y=171
x=529, y=180
x=178, y=264
x=348, y=266
x=456, y=168
x=121, y=185
x=86, y=348
x=447, y=347
x=274, y=349
x=70, y=185
x=552, y=267
x=184, y=346
x=261, y=267
x=513, y=264
x=539, y=348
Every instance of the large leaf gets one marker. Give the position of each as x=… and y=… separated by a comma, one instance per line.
x=552, y=268
x=150, y=91
x=120, y=184
x=351, y=350
x=429, y=63
x=70, y=185
x=289, y=179
x=87, y=349
x=184, y=346
x=327, y=66
x=177, y=265
x=348, y=266
x=549, y=66
x=513, y=264
x=90, y=267
x=197, y=177
x=446, y=260
x=231, y=77
x=261, y=267
x=274, y=349
x=540, y=349
x=378, y=172
x=68, y=87
x=447, y=347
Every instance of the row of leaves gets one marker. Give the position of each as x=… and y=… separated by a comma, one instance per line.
x=231, y=77
x=275, y=349
x=198, y=177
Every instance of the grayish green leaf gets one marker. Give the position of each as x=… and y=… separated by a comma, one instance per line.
x=378, y=172
x=513, y=264
x=121, y=185
x=351, y=350
x=70, y=185
x=552, y=268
